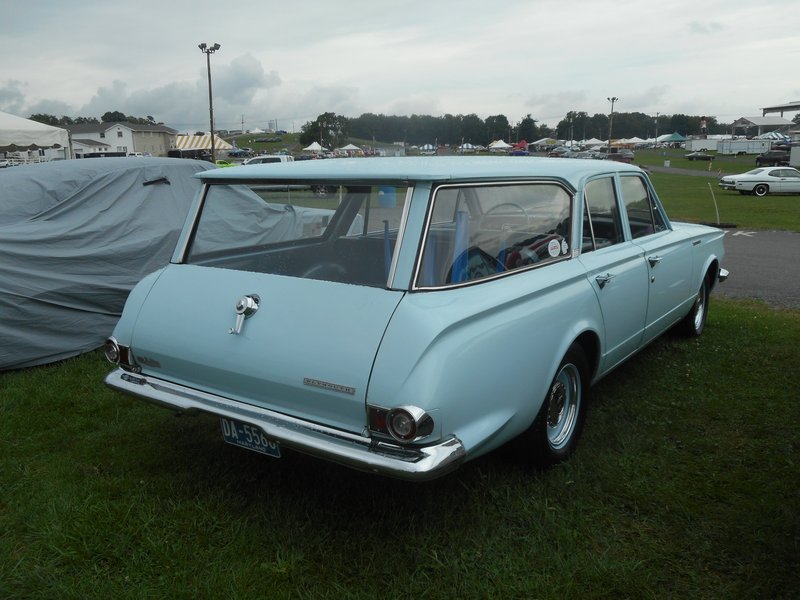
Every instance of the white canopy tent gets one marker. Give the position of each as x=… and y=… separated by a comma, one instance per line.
x=200, y=142
x=315, y=147
x=499, y=146
x=17, y=133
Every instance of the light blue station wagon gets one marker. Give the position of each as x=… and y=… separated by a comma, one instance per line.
x=404, y=315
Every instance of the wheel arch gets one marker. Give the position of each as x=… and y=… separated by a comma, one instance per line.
x=589, y=342
x=710, y=272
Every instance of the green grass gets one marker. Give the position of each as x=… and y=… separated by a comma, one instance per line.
x=685, y=485
x=689, y=198
x=722, y=164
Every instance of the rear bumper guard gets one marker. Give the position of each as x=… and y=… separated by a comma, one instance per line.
x=354, y=451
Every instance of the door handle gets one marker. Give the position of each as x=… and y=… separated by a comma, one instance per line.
x=654, y=260
x=603, y=280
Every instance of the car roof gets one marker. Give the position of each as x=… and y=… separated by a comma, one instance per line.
x=432, y=168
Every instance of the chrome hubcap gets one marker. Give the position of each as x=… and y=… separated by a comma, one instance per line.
x=699, y=311
x=563, y=404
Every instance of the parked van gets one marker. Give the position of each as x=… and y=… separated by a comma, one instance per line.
x=268, y=158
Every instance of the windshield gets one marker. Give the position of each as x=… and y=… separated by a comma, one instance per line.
x=336, y=233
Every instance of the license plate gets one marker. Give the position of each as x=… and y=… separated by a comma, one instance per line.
x=248, y=436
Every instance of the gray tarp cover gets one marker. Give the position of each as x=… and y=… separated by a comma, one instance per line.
x=75, y=237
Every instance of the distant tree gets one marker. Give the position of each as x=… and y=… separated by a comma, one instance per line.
x=497, y=127
x=683, y=124
x=527, y=129
x=796, y=119
x=473, y=129
x=114, y=117
x=329, y=129
x=45, y=118
x=79, y=120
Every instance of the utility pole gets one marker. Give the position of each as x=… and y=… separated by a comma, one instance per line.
x=208, y=51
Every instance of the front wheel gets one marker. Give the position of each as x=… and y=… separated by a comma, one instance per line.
x=694, y=323
x=761, y=189
x=555, y=432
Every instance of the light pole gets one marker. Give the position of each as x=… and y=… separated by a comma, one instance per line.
x=612, y=99
x=208, y=51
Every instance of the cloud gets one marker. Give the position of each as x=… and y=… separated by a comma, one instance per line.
x=555, y=104
x=12, y=97
x=239, y=81
x=339, y=99
x=184, y=104
x=705, y=28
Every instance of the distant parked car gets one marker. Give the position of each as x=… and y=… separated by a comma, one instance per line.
x=225, y=163
x=268, y=158
x=773, y=158
x=75, y=236
x=763, y=181
x=426, y=312
x=699, y=156
x=558, y=151
x=239, y=153
x=621, y=155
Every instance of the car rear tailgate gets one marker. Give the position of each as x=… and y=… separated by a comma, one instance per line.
x=307, y=351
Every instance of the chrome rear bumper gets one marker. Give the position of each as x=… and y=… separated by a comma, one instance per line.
x=355, y=451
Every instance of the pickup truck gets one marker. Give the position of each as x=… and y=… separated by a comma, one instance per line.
x=773, y=158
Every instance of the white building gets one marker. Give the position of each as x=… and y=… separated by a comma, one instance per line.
x=124, y=138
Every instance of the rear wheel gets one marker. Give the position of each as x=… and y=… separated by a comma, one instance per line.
x=761, y=189
x=554, y=434
x=694, y=323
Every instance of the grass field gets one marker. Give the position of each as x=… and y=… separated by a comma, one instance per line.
x=689, y=198
x=685, y=485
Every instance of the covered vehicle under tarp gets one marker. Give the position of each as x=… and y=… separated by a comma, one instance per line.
x=75, y=237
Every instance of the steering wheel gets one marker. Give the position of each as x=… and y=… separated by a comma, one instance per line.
x=489, y=214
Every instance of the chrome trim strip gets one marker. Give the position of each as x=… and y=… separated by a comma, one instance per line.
x=352, y=450
x=400, y=235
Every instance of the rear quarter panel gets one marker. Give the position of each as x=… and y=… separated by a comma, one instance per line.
x=481, y=357
x=708, y=249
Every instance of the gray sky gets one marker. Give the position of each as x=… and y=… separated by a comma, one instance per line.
x=295, y=59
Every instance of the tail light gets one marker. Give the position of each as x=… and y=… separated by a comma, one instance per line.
x=120, y=356
x=404, y=424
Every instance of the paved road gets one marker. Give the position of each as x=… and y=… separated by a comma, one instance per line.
x=764, y=265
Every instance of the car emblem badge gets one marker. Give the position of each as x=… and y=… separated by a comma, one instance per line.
x=246, y=307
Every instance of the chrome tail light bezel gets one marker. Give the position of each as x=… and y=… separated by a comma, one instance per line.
x=418, y=424
x=120, y=355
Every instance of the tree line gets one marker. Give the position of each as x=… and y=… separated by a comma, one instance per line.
x=333, y=130
x=108, y=117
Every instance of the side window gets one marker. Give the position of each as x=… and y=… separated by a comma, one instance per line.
x=643, y=216
x=475, y=232
x=601, y=223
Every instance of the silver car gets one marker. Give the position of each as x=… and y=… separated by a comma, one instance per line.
x=763, y=181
